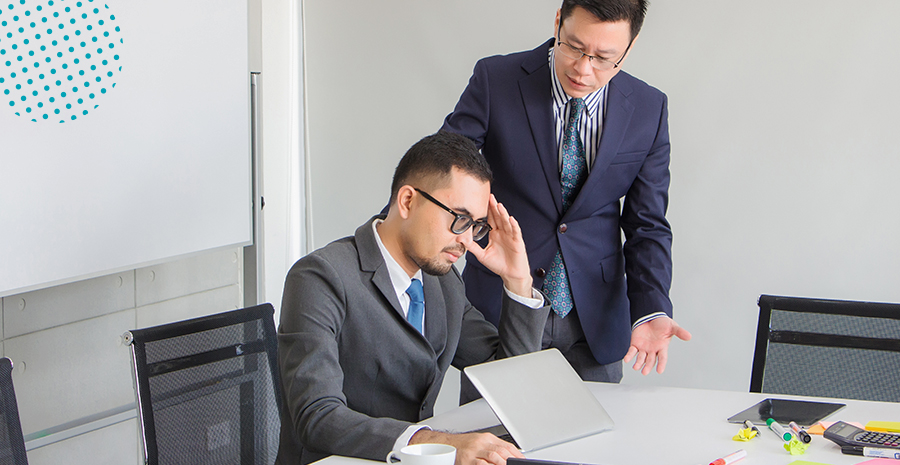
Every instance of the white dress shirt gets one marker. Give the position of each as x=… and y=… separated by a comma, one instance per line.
x=401, y=281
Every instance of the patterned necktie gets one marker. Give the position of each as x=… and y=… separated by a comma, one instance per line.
x=416, y=314
x=574, y=171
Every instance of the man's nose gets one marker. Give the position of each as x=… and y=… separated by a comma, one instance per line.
x=466, y=237
x=583, y=65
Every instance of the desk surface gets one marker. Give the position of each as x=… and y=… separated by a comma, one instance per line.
x=651, y=428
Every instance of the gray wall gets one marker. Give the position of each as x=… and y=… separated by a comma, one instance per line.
x=70, y=362
x=782, y=119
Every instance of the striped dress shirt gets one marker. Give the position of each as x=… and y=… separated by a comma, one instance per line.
x=590, y=130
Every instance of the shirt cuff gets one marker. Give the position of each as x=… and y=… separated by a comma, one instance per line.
x=404, y=438
x=536, y=300
x=647, y=318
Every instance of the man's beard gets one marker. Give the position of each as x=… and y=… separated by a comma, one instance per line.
x=437, y=266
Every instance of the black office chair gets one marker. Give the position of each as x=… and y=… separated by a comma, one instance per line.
x=208, y=389
x=12, y=443
x=827, y=348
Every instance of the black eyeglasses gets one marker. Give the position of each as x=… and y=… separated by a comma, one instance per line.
x=462, y=223
x=598, y=63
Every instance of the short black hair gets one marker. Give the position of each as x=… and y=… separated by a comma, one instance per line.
x=632, y=11
x=431, y=159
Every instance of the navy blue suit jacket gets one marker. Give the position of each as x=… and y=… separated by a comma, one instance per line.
x=507, y=110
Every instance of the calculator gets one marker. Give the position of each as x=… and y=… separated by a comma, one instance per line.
x=846, y=435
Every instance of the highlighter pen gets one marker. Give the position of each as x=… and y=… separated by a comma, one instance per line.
x=878, y=452
x=804, y=436
x=779, y=430
x=748, y=424
x=730, y=458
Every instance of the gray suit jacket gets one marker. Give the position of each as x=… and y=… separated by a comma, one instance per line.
x=356, y=374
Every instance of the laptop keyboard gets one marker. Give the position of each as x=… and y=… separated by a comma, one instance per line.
x=506, y=437
x=500, y=432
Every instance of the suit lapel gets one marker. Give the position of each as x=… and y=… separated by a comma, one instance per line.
x=435, y=313
x=382, y=281
x=618, y=116
x=536, y=96
x=370, y=260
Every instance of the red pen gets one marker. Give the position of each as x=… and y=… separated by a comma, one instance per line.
x=730, y=458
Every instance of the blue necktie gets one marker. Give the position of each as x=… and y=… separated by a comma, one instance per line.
x=416, y=314
x=572, y=175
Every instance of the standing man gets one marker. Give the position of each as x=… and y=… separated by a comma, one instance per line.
x=371, y=323
x=568, y=136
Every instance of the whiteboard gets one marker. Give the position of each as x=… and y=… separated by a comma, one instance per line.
x=152, y=163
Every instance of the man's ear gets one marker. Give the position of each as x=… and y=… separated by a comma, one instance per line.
x=556, y=23
x=405, y=197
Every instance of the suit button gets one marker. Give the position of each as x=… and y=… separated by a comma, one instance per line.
x=563, y=228
x=540, y=272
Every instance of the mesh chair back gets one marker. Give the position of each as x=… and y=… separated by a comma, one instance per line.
x=827, y=348
x=208, y=389
x=12, y=443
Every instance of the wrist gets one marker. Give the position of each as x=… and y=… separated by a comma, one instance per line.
x=426, y=436
x=521, y=287
x=405, y=439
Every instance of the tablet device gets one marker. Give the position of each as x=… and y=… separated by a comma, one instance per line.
x=804, y=413
x=517, y=461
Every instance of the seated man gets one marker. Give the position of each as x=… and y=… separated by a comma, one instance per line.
x=360, y=362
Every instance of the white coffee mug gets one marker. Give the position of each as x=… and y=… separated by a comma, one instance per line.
x=424, y=454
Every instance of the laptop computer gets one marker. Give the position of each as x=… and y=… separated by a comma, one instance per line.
x=540, y=399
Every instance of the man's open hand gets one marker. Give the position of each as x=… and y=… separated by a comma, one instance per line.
x=650, y=344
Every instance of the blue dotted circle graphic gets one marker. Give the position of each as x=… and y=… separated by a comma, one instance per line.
x=58, y=58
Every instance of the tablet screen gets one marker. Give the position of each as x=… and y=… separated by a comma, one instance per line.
x=804, y=413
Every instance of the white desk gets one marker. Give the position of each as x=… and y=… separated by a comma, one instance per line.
x=673, y=426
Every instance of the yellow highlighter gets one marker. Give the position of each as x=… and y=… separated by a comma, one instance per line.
x=884, y=426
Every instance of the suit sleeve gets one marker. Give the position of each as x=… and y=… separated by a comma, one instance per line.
x=648, y=237
x=520, y=332
x=471, y=115
x=312, y=315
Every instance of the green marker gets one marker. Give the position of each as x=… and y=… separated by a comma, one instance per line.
x=779, y=430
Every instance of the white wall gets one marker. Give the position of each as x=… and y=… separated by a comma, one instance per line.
x=282, y=162
x=782, y=117
x=380, y=76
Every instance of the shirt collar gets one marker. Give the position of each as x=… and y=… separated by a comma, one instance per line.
x=399, y=279
x=560, y=98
